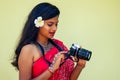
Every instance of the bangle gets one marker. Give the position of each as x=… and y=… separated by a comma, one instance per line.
x=50, y=69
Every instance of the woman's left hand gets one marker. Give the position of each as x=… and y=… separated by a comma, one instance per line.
x=81, y=63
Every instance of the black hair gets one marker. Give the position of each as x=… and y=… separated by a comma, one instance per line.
x=30, y=32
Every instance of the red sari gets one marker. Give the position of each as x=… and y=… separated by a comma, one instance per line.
x=63, y=73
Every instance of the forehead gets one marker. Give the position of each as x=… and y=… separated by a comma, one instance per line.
x=54, y=19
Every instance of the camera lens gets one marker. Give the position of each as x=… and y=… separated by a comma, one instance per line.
x=84, y=54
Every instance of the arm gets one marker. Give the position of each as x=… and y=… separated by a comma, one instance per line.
x=53, y=67
x=25, y=63
x=77, y=70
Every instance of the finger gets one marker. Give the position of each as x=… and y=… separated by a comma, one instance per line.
x=83, y=62
x=63, y=52
x=62, y=57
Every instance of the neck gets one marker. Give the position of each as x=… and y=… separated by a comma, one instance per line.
x=43, y=41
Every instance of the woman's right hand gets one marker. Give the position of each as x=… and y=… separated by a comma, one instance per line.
x=58, y=58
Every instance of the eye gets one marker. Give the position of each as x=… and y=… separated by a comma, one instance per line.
x=49, y=24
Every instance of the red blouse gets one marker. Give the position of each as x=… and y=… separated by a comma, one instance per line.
x=63, y=73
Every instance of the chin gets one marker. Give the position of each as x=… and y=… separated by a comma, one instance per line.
x=50, y=37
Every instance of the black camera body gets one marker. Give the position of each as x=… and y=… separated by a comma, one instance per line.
x=79, y=52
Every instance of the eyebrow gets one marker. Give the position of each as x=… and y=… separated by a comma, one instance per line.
x=53, y=22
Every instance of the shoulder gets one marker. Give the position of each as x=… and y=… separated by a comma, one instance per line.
x=27, y=48
x=27, y=51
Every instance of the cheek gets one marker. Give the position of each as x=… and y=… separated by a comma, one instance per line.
x=44, y=30
x=41, y=30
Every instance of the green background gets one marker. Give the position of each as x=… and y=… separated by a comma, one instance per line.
x=93, y=24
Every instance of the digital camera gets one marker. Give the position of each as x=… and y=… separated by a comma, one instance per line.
x=79, y=52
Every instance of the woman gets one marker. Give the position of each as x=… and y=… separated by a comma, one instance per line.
x=38, y=55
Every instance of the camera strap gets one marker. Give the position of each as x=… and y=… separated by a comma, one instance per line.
x=60, y=49
x=55, y=44
x=42, y=50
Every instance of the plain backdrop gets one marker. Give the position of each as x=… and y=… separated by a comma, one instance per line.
x=93, y=24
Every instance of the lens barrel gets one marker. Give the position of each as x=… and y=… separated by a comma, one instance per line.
x=84, y=54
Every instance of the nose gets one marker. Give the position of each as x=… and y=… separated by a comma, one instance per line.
x=54, y=28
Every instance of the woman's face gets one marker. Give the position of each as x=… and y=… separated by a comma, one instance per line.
x=49, y=28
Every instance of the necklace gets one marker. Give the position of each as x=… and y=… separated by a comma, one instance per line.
x=46, y=47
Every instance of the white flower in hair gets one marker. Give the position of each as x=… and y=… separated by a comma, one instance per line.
x=39, y=22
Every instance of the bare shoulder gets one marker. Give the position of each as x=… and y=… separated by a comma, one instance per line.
x=27, y=47
x=25, y=61
x=27, y=51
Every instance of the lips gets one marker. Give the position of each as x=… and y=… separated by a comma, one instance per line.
x=52, y=33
